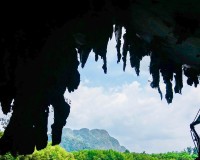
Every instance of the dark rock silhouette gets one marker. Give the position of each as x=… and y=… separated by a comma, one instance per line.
x=39, y=57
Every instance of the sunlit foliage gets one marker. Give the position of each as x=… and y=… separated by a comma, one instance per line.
x=58, y=153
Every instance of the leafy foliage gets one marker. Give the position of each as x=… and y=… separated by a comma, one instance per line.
x=49, y=153
x=98, y=154
x=58, y=153
x=1, y=134
x=113, y=155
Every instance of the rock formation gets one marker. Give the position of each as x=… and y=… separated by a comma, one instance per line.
x=75, y=140
x=40, y=54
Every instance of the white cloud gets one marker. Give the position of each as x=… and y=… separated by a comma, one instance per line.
x=136, y=116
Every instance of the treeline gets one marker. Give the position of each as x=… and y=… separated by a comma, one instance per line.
x=58, y=153
x=113, y=155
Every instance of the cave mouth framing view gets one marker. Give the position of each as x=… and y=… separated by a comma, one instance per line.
x=40, y=56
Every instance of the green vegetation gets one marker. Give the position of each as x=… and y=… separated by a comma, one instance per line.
x=113, y=155
x=49, y=153
x=1, y=134
x=58, y=153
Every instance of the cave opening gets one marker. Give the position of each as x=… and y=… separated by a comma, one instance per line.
x=129, y=109
x=39, y=61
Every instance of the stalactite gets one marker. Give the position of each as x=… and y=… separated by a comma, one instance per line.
x=125, y=50
x=118, y=35
x=155, y=71
x=84, y=52
x=192, y=75
x=178, y=79
x=96, y=57
x=137, y=51
x=100, y=42
x=102, y=52
x=72, y=77
x=104, y=64
x=134, y=59
x=169, y=91
x=166, y=69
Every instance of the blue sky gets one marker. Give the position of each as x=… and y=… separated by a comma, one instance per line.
x=129, y=109
x=93, y=72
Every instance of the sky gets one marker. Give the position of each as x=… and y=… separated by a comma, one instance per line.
x=129, y=109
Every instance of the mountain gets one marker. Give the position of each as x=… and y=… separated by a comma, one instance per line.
x=75, y=140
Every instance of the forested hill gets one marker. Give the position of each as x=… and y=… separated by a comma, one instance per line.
x=75, y=140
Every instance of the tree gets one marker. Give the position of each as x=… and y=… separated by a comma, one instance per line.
x=189, y=150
